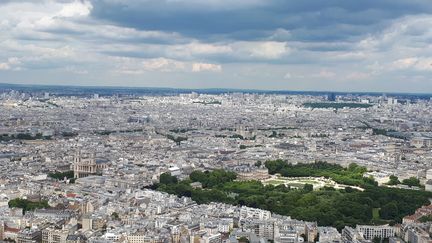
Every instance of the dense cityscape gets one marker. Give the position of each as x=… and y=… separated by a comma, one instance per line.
x=214, y=167
x=215, y=121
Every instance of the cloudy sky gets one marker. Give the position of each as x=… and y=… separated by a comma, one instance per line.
x=343, y=45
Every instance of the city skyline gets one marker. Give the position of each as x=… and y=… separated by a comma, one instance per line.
x=105, y=165
x=215, y=121
x=259, y=45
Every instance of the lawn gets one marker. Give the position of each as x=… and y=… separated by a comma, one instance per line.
x=375, y=213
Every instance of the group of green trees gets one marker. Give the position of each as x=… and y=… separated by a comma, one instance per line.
x=335, y=105
x=353, y=175
x=321, y=135
x=27, y=205
x=166, y=179
x=275, y=134
x=394, y=180
x=23, y=136
x=237, y=136
x=115, y=216
x=276, y=128
x=412, y=181
x=425, y=218
x=177, y=140
x=182, y=130
x=379, y=131
x=380, y=240
x=242, y=146
x=241, y=137
x=69, y=134
x=213, y=102
x=212, y=179
x=388, y=133
x=108, y=132
x=327, y=206
x=61, y=175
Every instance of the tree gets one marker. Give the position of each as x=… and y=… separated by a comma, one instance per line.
x=115, y=216
x=258, y=163
x=211, y=179
x=243, y=239
x=308, y=187
x=376, y=240
x=394, y=180
x=62, y=175
x=27, y=205
x=237, y=136
x=273, y=135
x=389, y=211
x=349, y=189
x=177, y=140
x=166, y=178
x=412, y=181
x=198, y=176
x=329, y=207
x=275, y=166
x=425, y=218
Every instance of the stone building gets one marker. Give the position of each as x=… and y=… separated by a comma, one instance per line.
x=84, y=166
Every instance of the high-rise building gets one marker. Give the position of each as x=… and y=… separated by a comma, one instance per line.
x=331, y=97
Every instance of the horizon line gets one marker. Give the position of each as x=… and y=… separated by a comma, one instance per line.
x=244, y=90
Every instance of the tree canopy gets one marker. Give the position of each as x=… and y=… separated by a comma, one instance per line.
x=412, y=181
x=167, y=178
x=27, y=205
x=327, y=206
x=353, y=175
x=394, y=180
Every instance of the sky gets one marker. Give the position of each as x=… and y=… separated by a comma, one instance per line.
x=327, y=45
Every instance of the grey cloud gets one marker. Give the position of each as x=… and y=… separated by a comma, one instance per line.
x=254, y=21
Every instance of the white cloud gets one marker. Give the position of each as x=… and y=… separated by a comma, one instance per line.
x=404, y=63
x=76, y=70
x=138, y=66
x=205, y=48
x=326, y=74
x=200, y=67
x=414, y=63
x=358, y=75
x=407, y=33
x=65, y=36
x=4, y=66
x=64, y=33
x=350, y=55
x=311, y=73
x=219, y=4
x=236, y=50
x=288, y=76
x=261, y=49
x=163, y=64
x=12, y=63
x=192, y=50
x=76, y=8
x=281, y=34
